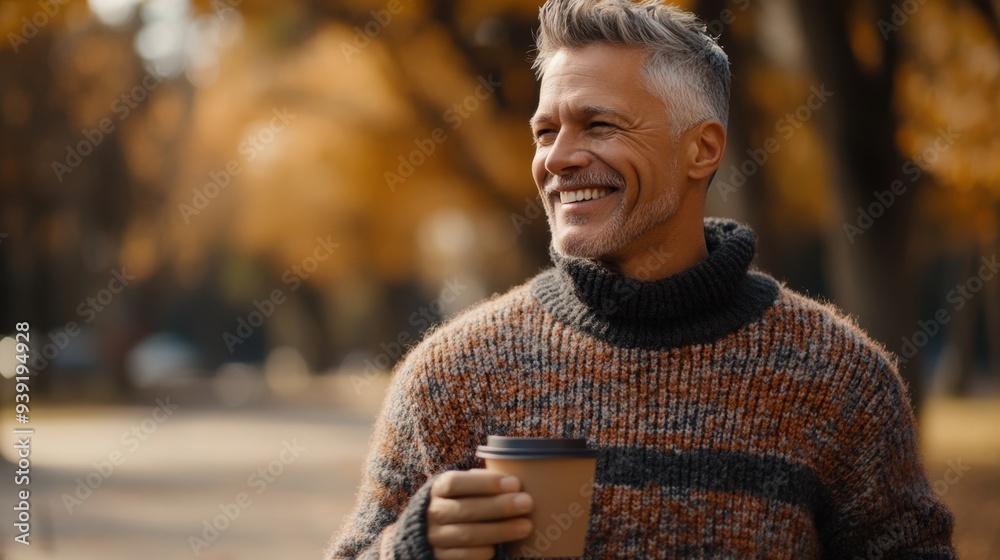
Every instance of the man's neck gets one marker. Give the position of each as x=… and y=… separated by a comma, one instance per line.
x=665, y=251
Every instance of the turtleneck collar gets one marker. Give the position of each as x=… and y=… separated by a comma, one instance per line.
x=699, y=305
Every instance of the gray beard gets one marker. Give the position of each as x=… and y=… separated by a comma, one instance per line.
x=619, y=232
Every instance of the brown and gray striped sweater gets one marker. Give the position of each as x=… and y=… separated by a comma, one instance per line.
x=735, y=418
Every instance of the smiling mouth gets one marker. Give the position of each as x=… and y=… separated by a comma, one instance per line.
x=581, y=195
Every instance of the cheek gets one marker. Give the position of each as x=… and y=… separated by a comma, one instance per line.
x=619, y=156
x=538, y=170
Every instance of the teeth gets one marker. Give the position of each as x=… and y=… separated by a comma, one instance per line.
x=582, y=194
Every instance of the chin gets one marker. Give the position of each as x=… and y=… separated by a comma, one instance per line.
x=583, y=246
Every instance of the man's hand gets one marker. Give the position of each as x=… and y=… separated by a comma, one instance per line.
x=471, y=511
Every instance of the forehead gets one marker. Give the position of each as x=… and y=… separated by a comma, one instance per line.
x=596, y=75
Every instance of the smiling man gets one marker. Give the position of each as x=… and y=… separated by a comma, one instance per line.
x=735, y=418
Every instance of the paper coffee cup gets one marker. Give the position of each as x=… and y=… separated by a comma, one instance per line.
x=559, y=476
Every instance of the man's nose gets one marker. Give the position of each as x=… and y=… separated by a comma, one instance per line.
x=567, y=153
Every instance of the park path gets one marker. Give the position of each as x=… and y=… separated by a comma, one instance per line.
x=175, y=470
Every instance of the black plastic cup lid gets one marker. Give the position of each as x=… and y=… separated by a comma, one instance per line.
x=502, y=447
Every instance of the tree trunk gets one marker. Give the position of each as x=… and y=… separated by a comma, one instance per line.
x=861, y=123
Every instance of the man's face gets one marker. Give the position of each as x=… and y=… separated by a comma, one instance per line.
x=606, y=161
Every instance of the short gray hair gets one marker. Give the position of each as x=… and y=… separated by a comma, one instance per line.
x=685, y=66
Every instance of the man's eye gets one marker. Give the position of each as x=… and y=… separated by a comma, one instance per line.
x=601, y=124
x=544, y=134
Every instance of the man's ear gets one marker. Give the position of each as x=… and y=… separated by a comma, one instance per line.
x=705, y=144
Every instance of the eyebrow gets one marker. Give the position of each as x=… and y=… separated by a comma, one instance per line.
x=589, y=111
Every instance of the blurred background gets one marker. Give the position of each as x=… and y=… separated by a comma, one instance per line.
x=224, y=221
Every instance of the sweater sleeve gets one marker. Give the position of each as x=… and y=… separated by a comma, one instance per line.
x=883, y=506
x=404, y=539
x=417, y=435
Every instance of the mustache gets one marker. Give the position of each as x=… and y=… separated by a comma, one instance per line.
x=583, y=178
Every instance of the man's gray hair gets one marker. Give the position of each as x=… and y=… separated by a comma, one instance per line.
x=685, y=67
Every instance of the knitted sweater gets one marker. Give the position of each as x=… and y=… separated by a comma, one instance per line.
x=734, y=417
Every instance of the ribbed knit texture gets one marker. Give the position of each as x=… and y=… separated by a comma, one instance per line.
x=734, y=417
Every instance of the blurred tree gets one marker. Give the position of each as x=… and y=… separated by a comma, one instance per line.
x=854, y=50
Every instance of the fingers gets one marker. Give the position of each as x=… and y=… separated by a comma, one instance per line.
x=476, y=482
x=471, y=511
x=477, y=535
x=442, y=511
